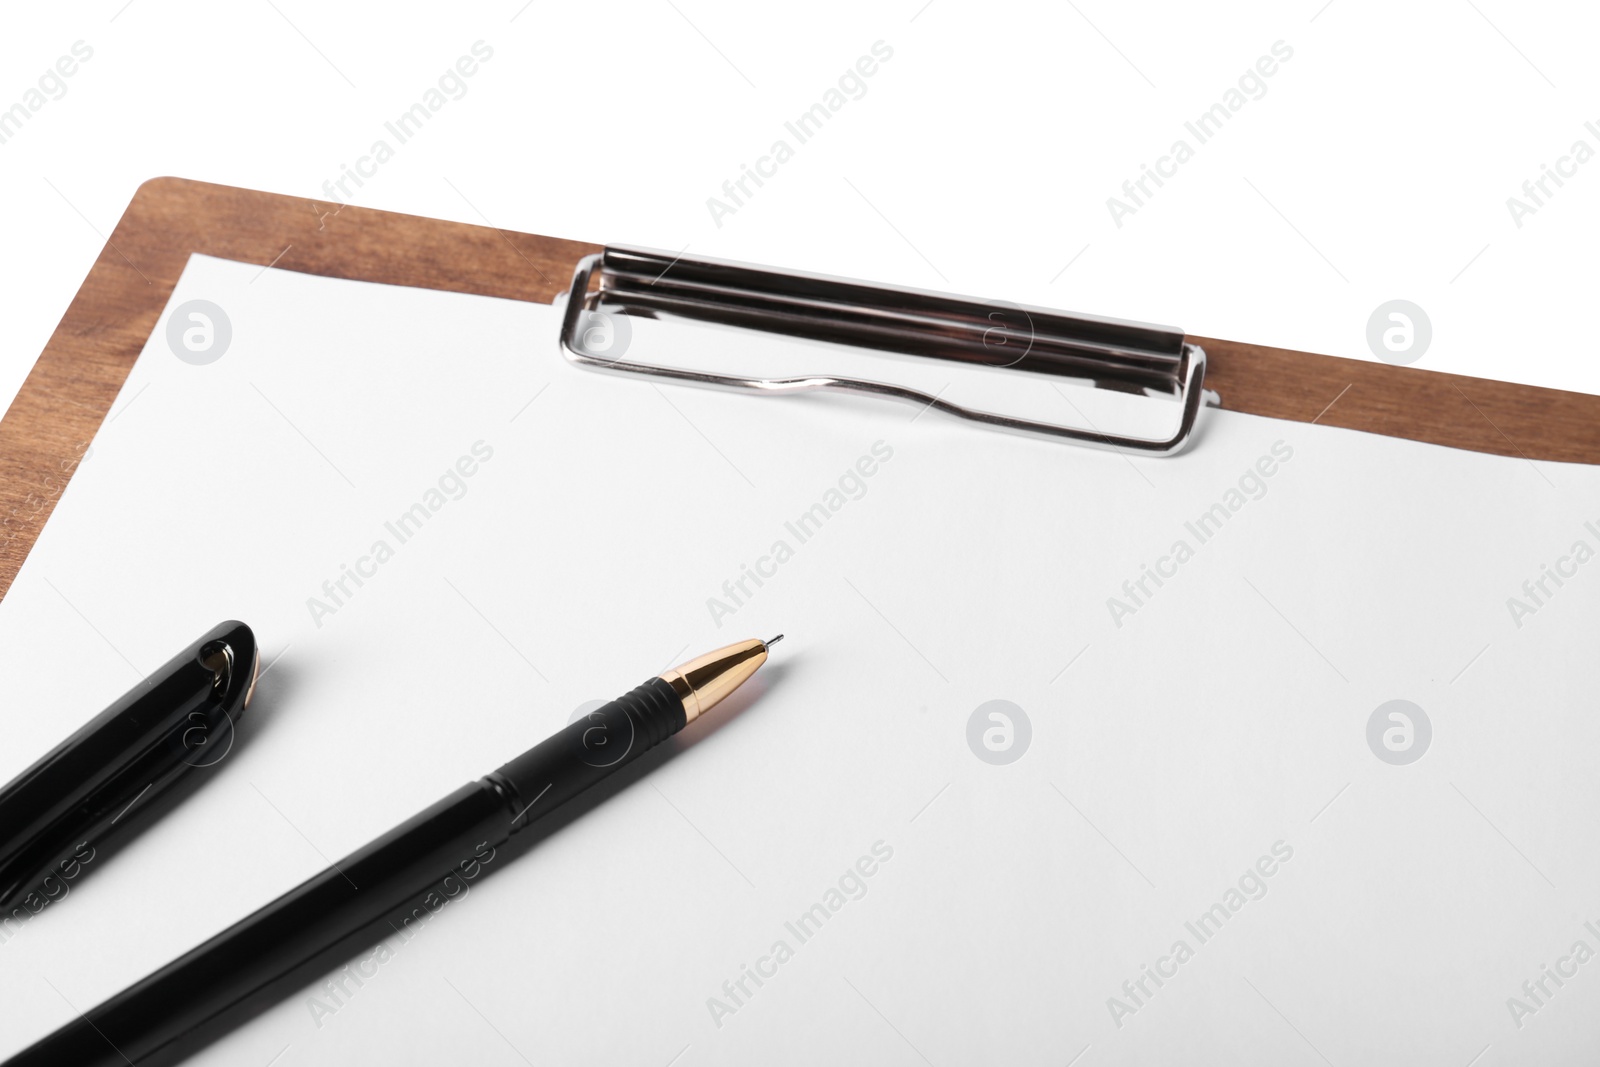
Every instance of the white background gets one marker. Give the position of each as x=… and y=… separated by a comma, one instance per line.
x=1377, y=166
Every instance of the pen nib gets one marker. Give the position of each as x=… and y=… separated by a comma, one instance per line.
x=772, y=641
x=704, y=681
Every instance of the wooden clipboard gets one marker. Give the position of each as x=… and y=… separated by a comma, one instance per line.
x=70, y=390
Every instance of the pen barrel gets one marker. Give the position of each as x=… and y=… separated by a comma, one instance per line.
x=452, y=840
x=253, y=961
x=594, y=747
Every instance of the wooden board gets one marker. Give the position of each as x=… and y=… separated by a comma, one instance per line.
x=71, y=387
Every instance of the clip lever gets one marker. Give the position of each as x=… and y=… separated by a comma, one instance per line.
x=1108, y=353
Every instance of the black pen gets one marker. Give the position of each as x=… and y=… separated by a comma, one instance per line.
x=154, y=1015
x=78, y=795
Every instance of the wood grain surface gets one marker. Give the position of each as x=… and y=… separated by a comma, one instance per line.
x=70, y=389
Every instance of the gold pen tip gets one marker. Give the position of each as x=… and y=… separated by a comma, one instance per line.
x=772, y=641
x=703, y=682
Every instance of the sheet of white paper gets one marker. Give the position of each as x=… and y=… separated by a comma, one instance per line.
x=1182, y=737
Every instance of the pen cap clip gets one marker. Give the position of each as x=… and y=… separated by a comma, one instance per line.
x=178, y=718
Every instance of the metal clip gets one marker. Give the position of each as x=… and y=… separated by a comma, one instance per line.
x=1107, y=353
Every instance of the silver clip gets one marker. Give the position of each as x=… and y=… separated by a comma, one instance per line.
x=1127, y=357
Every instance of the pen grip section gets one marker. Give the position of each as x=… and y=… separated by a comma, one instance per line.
x=594, y=747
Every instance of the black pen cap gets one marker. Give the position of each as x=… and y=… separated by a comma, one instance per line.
x=171, y=722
